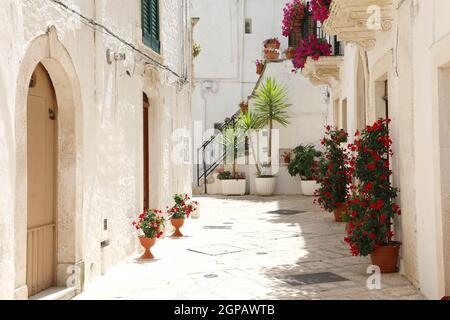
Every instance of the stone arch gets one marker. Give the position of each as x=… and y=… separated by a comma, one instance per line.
x=152, y=90
x=51, y=53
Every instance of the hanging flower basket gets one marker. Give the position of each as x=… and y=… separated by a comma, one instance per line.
x=271, y=54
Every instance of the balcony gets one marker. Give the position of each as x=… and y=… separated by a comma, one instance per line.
x=326, y=70
x=358, y=21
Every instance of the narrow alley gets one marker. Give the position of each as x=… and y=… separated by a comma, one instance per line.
x=241, y=248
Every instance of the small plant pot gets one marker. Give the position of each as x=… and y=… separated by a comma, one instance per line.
x=272, y=55
x=147, y=243
x=338, y=213
x=177, y=223
x=234, y=187
x=386, y=257
x=309, y=187
x=259, y=69
x=244, y=108
x=265, y=186
x=289, y=54
x=273, y=45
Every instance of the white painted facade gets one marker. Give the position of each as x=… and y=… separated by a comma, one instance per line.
x=413, y=57
x=100, y=127
x=225, y=75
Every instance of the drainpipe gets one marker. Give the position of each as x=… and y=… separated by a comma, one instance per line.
x=242, y=51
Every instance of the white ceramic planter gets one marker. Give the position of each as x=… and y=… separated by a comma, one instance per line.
x=234, y=187
x=265, y=186
x=309, y=187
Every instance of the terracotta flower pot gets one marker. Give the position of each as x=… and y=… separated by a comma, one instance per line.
x=274, y=45
x=259, y=69
x=272, y=55
x=147, y=243
x=338, y=212
x=386, y=257
x=290, y=54
x=177, y=223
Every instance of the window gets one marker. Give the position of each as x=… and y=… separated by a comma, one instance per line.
x=150, y=24
x=248, y=26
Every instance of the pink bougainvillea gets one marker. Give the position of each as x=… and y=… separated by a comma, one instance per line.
x=293, y=14
x=310, y=46
x=320, y=9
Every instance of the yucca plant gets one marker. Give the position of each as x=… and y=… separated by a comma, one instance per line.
x=232, y=142
x=270, y=108
x=248, y=122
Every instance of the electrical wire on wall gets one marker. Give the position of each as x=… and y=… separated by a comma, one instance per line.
x=105, y=30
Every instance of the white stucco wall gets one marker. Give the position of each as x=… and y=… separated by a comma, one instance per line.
x=410, y=56
x=111, y=121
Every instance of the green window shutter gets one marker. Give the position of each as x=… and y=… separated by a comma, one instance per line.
x=150, y=24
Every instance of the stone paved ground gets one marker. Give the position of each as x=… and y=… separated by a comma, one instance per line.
x=269, y=247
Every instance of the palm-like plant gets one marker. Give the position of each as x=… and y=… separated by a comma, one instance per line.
x=232, y=141
x=271, y=107
x=248, y=122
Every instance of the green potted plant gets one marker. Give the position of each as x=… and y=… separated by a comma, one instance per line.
x=232, y=182
x=270, y=108
x=372, y=208
x=304, y=164
x=181, y=210
x=150, y=224
x=333, y=173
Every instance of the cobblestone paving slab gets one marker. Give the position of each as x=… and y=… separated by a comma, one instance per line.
x=250, y=260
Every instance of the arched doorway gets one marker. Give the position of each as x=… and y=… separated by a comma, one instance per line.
x=48, y=156
x=146, y=139
x=41, y=181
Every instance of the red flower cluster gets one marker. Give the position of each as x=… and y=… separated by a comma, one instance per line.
x=293, y=14
x=313, y=47
x=150, y=223
x=371, y=206
x=320, y=9
x=333, y=171
x=183, y=207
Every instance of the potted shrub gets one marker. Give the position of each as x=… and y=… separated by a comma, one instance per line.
x=304, y=165
x=333, y=173
x=260, y=67
x=272, y=43
x=372, y=207
x=289, y=53
x=271, y=53
x=151, y=225
x=232, y=141
x=181, y=210
x=270, y=108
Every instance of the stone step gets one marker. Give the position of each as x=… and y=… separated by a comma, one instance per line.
x=56, y=293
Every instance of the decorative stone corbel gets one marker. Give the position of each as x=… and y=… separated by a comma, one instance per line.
x=358, y=21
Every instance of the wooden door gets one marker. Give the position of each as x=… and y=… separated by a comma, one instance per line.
x=41, y=163
x=146, y=154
